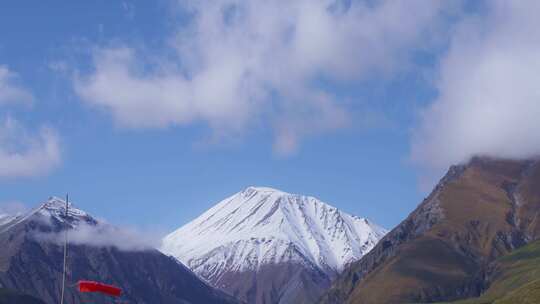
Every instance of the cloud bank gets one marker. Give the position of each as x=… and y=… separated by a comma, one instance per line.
x=489, y=93
x=239, y=64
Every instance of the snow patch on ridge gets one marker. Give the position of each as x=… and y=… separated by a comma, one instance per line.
x=6, y=218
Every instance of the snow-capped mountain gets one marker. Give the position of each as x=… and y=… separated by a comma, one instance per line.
x=56, y=208
x=53, y=211
x=262, y=226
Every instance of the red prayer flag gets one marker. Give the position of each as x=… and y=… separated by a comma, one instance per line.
x=91, y=286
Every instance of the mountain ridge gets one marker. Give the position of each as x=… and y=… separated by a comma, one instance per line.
x=443, y=249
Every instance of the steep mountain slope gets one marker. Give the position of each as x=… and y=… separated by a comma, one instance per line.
x=267, y=246
x=31, y=262
x=442, y=251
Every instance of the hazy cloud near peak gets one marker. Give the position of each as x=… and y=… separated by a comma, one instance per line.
x=489, y=93
x=246, y=63
x=12, y=208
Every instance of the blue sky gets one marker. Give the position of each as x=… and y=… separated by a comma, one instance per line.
x=148, y=113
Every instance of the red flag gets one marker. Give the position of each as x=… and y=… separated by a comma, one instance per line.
x=91, y=286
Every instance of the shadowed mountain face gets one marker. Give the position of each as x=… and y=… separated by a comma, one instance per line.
x=31, y=262
x=278, y=283
x=11, y=297
x=444, y=249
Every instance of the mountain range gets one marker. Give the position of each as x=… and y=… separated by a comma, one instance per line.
x=264, y=245
x=32, y=257
x=475, y=239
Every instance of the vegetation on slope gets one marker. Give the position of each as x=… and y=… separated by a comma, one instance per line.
x=516, y=279
x=446, y=249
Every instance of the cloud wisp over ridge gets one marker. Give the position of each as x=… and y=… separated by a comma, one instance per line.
x=105, y=235
x=239, y=64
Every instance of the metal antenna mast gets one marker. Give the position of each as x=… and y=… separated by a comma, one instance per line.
x=65, y=250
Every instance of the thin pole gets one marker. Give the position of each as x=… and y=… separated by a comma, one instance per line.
x=65, y=251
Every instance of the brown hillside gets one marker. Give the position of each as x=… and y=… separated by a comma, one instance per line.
x=442, y=251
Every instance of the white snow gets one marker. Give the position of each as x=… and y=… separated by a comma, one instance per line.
x=262, y=225
x=6, y=218
x=56, y=207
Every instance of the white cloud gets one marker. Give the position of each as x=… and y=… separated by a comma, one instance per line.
x=245, y=63
x=23, y=154
x=9, y=91
x=489, y=93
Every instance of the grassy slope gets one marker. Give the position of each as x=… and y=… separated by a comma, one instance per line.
x=482, y=222
x=429, y=267
x=517, y=281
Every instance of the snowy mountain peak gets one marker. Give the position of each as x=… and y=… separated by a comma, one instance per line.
x=56, y=207
x=55, y=204
x=261, y=225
